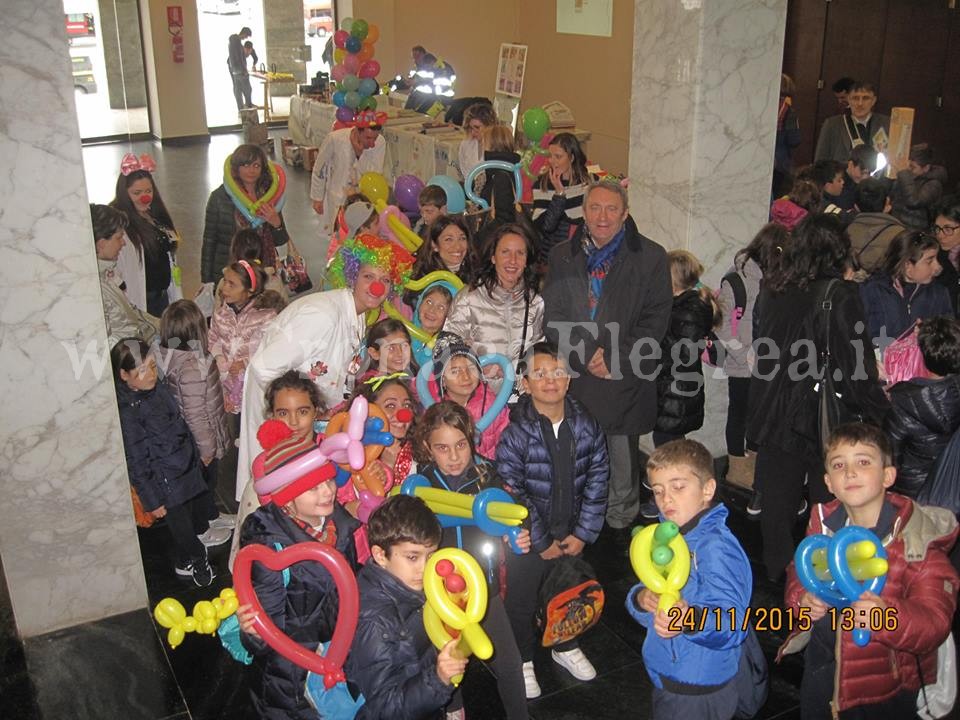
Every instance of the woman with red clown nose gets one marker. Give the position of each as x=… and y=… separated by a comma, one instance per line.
x=145, y=263
x=321, y=335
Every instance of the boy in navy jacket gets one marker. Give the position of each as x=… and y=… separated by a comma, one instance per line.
x=552, y=458
x=694, y=665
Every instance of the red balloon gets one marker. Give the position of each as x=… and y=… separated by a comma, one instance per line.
x=340, y=38
x=331, y=665
x=454, y=583
x=444, y=568
x=369, y=69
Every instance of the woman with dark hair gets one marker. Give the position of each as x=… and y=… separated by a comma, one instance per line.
x=790, y=346
x=558, y=197
x=501, y=312
x=146, y=265
x=902, y=290
x=250, y=170
x=450, y=247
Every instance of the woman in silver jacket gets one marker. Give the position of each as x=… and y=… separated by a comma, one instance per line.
x=500, y=312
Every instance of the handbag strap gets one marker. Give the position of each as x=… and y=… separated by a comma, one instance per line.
x=826, y=305
x=526, y=319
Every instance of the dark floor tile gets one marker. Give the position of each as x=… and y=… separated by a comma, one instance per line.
x=621, y=693
x=112, y=668
x=18, y=697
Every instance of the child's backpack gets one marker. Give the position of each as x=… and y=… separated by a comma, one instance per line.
x=570, y=600
x=713, y=354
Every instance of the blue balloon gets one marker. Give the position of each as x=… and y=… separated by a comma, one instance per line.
x=456, y=200
x=499, y=402
x=339, y=98
x=350, y=82
x=353, y=44
x=368, y=87
x=493, y=165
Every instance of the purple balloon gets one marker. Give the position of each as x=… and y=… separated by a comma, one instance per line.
x=344, y=114
x=407, y=189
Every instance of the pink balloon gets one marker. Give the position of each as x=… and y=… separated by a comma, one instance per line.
x=340, y=38
x=385, y=231
x=537, y=164
x=335, y=448
x=369, y=69
x=339, y=72
x=352, y=64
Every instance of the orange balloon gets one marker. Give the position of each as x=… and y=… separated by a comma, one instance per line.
x=364, y=479
x=373, y=33
x=366, y=52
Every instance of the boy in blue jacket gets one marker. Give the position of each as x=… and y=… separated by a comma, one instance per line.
x=401, y=675
x=552, y=458
x=692, y=653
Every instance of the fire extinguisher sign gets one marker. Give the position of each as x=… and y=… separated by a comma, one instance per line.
x=175, y=27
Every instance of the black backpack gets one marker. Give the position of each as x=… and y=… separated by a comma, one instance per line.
x=714, y=352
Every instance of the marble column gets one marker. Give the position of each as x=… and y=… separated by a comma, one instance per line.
x=67, y=535
x=123, y=54
x=706, y=79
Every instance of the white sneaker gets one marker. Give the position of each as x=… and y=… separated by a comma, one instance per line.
x=224, y=520
x=460, y=714
x=576, y=663
x=530, y=683
x=215, y=536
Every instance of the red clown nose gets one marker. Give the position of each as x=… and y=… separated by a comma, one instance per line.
x=145, y=199
x=404, y=415
x=378, y=288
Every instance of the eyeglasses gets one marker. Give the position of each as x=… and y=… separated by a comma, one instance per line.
x=946, y=230
x=558, y=374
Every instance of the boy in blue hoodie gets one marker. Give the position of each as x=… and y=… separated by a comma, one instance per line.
x=691, y=652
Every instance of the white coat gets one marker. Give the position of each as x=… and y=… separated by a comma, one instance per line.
x=337, y=168
x=317, y=335
x=132, y=274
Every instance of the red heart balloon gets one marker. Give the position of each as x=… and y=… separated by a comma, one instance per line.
x=331, y=665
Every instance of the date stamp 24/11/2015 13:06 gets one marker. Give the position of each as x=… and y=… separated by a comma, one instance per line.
x=776, y=619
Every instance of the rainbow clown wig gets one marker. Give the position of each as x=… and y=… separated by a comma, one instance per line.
x=374, y=251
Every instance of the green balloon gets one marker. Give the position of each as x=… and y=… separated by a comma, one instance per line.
x=350, y=82
x=368, y=103
x=359, y=29
x=536, y=122
x=661, y=555
x=346, y=24
x=665, y=532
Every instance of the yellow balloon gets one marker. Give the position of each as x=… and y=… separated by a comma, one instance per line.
x=228, y=608
x=189, y=624
x=433, y=277
x=415, y=332
x=175, y=636
x=678, y=569
x=204, y=609
x=338, y=55
x=466, y=620
x=227, y=593
x=169, y=612
x=411, y=241
x=208, y=626
x=374, y=186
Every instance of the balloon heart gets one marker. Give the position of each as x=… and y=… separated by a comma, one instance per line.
x=500, y=402
x=666, y=579
x=841, y=568
x=275, y=194
x=514, y=168
x=330, y=665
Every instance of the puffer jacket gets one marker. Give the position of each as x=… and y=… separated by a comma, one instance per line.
x=219, y=227
x=305, y=609
x=870, y=235
x=894, y=312
x=949, y=278
x=525, y=465
x=235, y=337
x=195, y=383
x=493, y=322
x=680, y=393
x=925, y=414
x=392, y=660
x=914, y=197
x=162, y=459
x=921, y=586
x=737, y=335
x=123, y=319
x=720, y=577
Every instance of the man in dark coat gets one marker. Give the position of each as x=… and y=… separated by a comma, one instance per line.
x=858, y=125
x=608, y=299
x=237, y=63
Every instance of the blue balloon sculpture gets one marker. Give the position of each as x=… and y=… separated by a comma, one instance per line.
x=838, y=586
x=499, y=403
x=493, y=165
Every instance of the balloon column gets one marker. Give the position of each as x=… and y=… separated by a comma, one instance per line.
x=456, y=603
x=839, y=569
x=355, y=71
x=330, y=665
x=661, y=559
x=492, y=510
x=250, y=207
x=205, y=619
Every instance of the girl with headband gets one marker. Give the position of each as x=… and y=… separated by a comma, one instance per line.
x=146, y=264
x=321, y=335
x=238, y=324
x=248, y=177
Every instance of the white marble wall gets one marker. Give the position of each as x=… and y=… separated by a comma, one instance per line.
x=67, y=536
x=706, y=79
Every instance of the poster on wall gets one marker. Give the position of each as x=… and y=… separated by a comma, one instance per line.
x=513, y=63
x=585, y=17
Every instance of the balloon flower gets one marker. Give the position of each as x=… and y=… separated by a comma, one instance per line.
x=423, y=342
x=661, y=559
x=205, y=619
x=456, y=603
x=330, y=664
x=839, y=569
x=492, y=510
x=250, y=207
x=503, y=395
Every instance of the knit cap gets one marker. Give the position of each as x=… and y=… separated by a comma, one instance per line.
x=355, y=215
x=280, y=448
x=448, y=346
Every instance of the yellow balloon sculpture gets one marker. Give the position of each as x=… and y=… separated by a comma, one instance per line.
x=661, y=559
x=205, y=619
x=456, y=598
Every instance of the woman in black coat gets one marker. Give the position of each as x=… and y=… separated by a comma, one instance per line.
x=783, y=390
